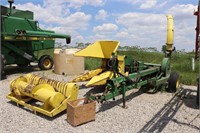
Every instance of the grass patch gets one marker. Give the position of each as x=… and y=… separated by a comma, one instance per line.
x=92, y=63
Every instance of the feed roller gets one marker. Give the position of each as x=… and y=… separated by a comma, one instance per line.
x=46, y=96
x=62, y=87
x=21, y=88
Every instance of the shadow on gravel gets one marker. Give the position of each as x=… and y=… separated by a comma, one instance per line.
x=37, y=113
x=95, y=90
x=110, y=104
x=106, y=105
x=13, y=69
x=166, y=114
x=51, y=118
x=190, y=99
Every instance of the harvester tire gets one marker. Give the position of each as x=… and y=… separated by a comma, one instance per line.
x=173, y=82
x=45, y=62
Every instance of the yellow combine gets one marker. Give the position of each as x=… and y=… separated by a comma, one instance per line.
x=51, y=96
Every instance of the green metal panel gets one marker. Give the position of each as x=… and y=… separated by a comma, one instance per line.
x=43, y=48
x=9, y=59
x=39, y=45
x=45, y=34
x=39, y=53
x=128, y=60
x=14, y=52
x=11, y=24
x=17, y=13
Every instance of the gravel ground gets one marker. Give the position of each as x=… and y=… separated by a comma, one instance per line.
x=160, y=112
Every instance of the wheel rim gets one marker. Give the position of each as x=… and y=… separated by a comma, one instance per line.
x=47, y=63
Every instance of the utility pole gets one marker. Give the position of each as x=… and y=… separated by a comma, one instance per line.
x=196, y=13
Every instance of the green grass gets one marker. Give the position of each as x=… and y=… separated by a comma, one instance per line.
x=92, y=63
x=180, y=62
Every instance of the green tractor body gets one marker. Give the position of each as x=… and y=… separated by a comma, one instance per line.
x=22, y=41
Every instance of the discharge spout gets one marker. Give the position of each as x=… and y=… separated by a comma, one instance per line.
x=170, y=33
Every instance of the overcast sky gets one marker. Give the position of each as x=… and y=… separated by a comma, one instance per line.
x=132, y=22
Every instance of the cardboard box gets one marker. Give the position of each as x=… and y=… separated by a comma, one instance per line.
x=79, y=112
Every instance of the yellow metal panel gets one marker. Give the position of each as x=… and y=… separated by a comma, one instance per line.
x=47, y=94
x=49, y=113
x=11, y=38
x=170, y=32
x=121, y=65
x=19, y=81
x=100, y=79
x=88, y=75
x=100, y=49
x=72, y=91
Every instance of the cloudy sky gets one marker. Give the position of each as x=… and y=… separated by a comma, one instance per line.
x=132, y=22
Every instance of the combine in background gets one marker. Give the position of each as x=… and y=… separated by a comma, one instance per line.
x=22, y=41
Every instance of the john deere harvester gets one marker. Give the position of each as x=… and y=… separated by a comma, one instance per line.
x=120, y=73
x=23, y=41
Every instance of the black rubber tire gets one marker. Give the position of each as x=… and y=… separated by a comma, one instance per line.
x=39, y=64
x=45, y=62
x=173, y=82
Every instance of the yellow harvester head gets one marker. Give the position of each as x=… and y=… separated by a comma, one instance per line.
x=51, y=96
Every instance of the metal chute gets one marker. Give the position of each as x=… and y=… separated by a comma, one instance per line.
x=100, y=49
x=170, y=33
